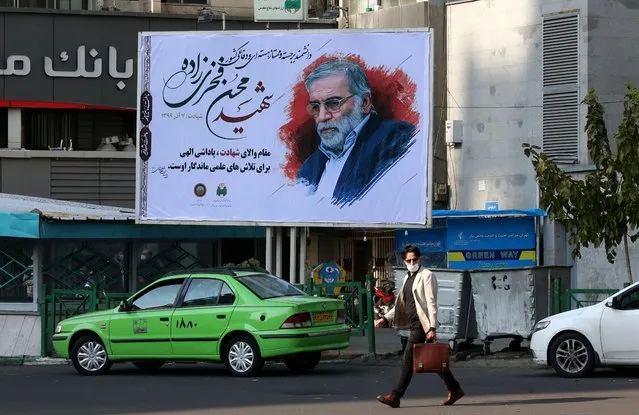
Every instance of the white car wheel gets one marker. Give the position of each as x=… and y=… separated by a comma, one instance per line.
x=571, y=355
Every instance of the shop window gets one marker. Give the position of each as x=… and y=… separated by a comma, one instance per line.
x=49, y=129
x=36, y=4
x=80, y=130
x=4, y=128
x=186, y=1
x=73, y=4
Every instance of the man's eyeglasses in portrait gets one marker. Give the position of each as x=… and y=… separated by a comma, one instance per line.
x=331, y=105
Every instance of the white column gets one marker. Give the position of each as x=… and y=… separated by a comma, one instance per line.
x=302, y=274
x=36, y=266
x=278, y=251
x=293, y=262
x=14, y=128
x=269, y=249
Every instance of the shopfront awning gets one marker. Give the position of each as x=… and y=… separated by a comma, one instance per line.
x=485, y=213
x=41, y=218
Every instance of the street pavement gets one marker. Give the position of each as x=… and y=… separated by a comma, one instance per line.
x=333, y=388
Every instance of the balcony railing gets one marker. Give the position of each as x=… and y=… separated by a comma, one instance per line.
x=47, y=4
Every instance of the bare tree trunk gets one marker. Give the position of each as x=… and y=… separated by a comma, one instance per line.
x=626, y=248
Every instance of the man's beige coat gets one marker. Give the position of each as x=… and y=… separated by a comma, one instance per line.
x=425, y=292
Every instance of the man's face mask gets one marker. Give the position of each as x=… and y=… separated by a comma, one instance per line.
x=412, y=264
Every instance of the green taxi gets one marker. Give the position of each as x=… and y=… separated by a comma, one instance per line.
x=240, y=318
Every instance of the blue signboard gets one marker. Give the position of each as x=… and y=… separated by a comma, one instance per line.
x=427, y=240
x=431, y=242
x=474, y=243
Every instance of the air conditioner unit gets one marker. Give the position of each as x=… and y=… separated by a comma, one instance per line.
x=454, y=132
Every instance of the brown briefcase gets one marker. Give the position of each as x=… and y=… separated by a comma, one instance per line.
x=431, y=357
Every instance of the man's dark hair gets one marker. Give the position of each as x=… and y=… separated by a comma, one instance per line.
x=355, y=75
x=411, y=248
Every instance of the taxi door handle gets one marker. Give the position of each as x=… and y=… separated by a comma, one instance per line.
x=221, y=316
x=164, y=319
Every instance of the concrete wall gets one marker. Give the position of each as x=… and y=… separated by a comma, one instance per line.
x=612, y=31
x=20, y=334
x=414, y=14
x=495, y=86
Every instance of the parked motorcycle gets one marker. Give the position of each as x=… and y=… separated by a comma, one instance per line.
x=384, y=299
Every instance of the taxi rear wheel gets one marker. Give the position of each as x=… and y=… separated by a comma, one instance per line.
x=89, y=356
x=242, y=356
x=304, y=362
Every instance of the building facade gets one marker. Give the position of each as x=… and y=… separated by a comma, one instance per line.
x=516, y=72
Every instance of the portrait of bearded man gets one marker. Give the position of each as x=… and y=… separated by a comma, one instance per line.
x=357, y=146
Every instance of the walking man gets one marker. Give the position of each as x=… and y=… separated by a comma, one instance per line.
x=416, y=310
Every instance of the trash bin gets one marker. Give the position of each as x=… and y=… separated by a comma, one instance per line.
x=509, y=302
x=456, y=314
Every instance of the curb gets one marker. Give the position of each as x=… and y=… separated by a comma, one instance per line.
x=32, y=361
x=498, y=360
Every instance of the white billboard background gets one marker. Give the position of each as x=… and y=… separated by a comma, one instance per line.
x=218, y=102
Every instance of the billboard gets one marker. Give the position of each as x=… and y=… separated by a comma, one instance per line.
x=296, y=128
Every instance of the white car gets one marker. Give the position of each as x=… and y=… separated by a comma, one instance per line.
x=606, y=334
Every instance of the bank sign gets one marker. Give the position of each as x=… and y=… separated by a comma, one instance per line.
x=491, y=243
x=76, y=60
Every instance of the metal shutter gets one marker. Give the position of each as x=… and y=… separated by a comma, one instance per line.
x=561, y=88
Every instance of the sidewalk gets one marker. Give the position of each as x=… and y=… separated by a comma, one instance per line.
x=388, y=351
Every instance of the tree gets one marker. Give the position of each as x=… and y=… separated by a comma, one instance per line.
x=603, y=208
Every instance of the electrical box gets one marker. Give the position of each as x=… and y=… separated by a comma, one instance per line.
x=454, y=132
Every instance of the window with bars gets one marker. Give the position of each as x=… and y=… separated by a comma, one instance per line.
x=561, y=88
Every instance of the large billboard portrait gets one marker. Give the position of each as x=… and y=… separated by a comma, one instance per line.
x=308, y=128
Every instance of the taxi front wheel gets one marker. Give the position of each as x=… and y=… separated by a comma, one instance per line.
x=89, y=356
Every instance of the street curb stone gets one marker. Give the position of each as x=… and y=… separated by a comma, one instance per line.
x=461, y=360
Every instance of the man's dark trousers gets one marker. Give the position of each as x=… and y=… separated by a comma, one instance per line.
x=418, y=336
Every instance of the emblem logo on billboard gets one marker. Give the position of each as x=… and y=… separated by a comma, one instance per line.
x=221, y=190
x=199, y=190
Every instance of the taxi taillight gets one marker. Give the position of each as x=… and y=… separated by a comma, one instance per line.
x=297, y=321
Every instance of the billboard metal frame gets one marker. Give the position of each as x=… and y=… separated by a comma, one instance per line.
x=431, y=147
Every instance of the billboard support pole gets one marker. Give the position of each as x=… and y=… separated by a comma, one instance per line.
x=293, y=249
x=302, y=274
x=278, y=251
x=269, y=249
x=430, y=181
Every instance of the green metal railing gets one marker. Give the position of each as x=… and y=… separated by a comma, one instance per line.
x=358, y=300
x=62, y=303
x=593, y=296
x=354, y=296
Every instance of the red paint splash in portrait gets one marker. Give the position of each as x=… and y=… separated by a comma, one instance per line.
x=393, y=94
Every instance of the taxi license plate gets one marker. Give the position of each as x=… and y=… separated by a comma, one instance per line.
x=322, y=317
